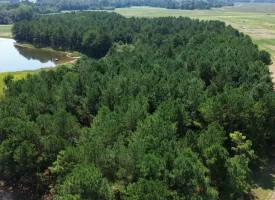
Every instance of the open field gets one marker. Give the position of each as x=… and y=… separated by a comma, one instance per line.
x=255, y=19
x=5, y=31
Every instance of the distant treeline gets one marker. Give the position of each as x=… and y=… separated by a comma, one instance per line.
x=11, y=12
x=59, y=5
x=84, y=32
x=14, y=12
x=176, y=109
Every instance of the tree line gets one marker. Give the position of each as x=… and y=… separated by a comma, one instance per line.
x=176, y=109
x=47, y=6
x=84, y=32
x=14, y=12
x=24, y=10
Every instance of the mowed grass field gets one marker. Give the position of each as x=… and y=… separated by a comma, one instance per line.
x=5, y=31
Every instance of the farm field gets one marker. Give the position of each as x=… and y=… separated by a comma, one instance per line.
x=255, y=19
x=5, y=31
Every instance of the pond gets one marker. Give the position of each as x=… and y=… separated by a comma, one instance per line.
x=18, y=58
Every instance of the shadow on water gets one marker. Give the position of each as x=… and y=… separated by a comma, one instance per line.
x=17, y=58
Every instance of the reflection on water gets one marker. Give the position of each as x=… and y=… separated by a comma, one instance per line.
x=44, y=56
x=17, y=58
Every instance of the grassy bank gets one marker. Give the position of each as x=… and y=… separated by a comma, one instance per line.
x=66, y=58
x=16, y=75
x=5, y=31
x=72, y=54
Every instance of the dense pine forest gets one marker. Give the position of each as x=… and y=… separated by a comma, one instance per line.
x=162, y=108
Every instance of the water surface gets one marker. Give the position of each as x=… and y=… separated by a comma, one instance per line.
x=17, y=58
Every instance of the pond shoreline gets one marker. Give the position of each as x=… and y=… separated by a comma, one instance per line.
x=68, y=53
x=45, y=57
x=74, y=56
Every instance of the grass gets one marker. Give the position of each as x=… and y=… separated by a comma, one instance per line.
x=5, y=31
x=16, y=75
x=22, y=74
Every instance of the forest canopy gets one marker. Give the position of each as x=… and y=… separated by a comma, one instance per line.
x=174, y=108
x=10, y=13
